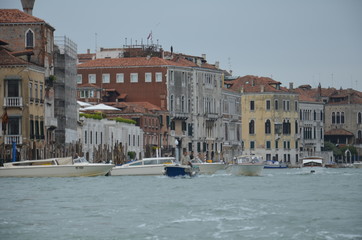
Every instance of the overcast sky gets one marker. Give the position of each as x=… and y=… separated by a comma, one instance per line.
x=299, y=41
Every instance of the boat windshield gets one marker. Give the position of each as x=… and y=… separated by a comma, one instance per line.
x=80, y=160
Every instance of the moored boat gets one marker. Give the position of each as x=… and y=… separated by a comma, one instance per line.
x=146, y=166
x=357, y=164
x=54, y=167
x=275, y=164
x=247, y=165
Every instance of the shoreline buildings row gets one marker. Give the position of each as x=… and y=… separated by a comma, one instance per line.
x=176, y=101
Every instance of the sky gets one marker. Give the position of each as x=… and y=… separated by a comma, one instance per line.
x=303, y=42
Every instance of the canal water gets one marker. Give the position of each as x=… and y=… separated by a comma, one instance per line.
x=280, y=204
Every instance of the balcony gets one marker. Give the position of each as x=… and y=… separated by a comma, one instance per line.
x=211, y=116
x=10, y=138
x=13, y=102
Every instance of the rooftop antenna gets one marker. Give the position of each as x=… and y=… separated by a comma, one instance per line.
x=96, y=41
x=229, y=63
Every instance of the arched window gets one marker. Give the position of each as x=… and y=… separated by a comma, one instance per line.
x=333, y=118
x=29, y=39
x=296, y=127
x=338, y=118
x=359, y=134
x=314, y=115
x=267, y=127
x=276, y=104
x=251, y=127
x=359, y=121
x=171, y=103
x=300, y=115
x=342, y=117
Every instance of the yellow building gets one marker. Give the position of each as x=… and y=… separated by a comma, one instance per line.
x=269, y=116
x=22, y=107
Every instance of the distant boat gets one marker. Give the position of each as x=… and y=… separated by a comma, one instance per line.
x=181, y=170
x=357, y=164
x=247, y=165
x=275, y=164
x=208, y=167
x=54, y=167
x=146, y=166
x=312, y=164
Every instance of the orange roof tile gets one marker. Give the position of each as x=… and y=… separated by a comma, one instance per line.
x=17, y=16
x=7, y=58
x=338, y=132
x=251, y=83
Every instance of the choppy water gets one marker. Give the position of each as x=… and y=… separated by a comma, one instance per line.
x=281, y=204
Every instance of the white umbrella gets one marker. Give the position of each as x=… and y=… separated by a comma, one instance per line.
x=100, y=106
x=84, y=104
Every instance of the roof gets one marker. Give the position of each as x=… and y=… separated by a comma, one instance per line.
x=252, y=83
x=334, y=132
x=7, y=59
x=17, y=16
x=128, y=62
x=88, y=85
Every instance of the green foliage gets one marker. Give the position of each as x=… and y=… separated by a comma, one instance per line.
x=98, y=116
x=328, y=146
x=352, y=149
x=124, y=120
x=131, y=155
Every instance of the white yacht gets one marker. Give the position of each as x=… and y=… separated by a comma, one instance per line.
x=247, y=165
x=208, y=167
x=54, y=167
x=146, y=166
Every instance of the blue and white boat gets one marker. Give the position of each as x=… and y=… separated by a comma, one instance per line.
x=275, y=164
x=181, y=170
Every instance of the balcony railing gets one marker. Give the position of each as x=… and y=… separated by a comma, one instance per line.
x=10, y=138
x=13, y=102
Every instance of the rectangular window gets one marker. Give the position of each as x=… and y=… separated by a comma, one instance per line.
x=134, y=77
x=91, y=78
x=252, y=144
x=252, y=107
x=159, y=77
x=79, y=79
x=36, y=91
x=276, y=144
x=41, y=92
x=267, y=104
x=268, y=145
x=31, y=91
x=148, y=77
x=105, y=78
x=120, y=78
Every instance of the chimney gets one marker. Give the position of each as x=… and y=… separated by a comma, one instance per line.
x=88, y=51
x=217, y=64
x=261, y=88
x=290, y=86
x=28, y=6
x=203, y=56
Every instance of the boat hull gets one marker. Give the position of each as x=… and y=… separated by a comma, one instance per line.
x=209, y=168
x=57, y=171
x=181, y=171
x=246, y=169
x=138, y=170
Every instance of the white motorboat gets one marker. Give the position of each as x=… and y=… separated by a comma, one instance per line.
x=208, y=167
x=247, y=165
x=54, y=167
x=312, y=164
x=146, y=166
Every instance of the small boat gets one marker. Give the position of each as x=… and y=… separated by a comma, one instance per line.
x=275, y=164
x=146, y=166
x=357, y=164
x=208, y=167
x=181, y=170
x=312, y=164
x=54, y=167
x=247, y=165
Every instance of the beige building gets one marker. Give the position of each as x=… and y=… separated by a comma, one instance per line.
x=269, y=116
x=22, y=100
